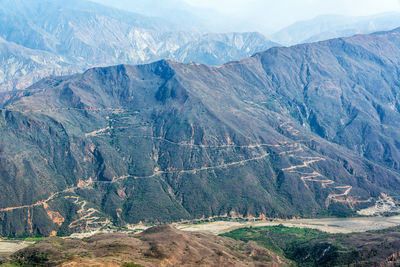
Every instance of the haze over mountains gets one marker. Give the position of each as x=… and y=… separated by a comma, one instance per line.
x=301, y=131
x=287, y=22
x=183, y=15
x=326, y=27
x=42, y=38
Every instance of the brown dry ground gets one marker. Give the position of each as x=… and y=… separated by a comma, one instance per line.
x=157, y=246
x=329, y=225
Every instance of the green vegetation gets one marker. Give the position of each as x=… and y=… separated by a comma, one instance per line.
x=131, y=264
x=10, y=265
x=309, y=247
x=26, y=237
x=277, y=238
x=32, y=259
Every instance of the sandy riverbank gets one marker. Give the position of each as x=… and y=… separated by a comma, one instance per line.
x=8, y=247
x=330, y=225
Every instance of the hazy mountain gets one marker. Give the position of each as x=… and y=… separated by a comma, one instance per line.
x=334, y=26
x=20, y=66
x=186, y=16
x=179, y=12
x=217, y=48
x=302, y=131
x=59, y=26
x=79, y=34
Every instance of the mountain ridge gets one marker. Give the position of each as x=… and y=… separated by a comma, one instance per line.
x=325, y=27
x=268, y=136
x=85, y=34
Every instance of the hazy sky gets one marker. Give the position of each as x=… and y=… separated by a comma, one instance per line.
x=279, y=13
x=266, y=16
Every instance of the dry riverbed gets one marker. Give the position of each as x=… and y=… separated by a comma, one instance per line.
x=8, y=247
x=330, y=225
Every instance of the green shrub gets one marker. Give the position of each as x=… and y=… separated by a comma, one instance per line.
x=131, y=264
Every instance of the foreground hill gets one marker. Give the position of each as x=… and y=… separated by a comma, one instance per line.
x=309, y=130
x=263, y=246
x=308, y=247
x=158, y=246
x=46, y=37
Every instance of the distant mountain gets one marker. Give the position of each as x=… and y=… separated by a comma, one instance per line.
x=217, y=48
x=310, y=130
x=20, y=66
x=334, y=26
x=184, y=16
x=85, y=34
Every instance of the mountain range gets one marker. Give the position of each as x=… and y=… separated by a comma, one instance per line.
x=326, y=27
x=43, y=38
x=308, y=130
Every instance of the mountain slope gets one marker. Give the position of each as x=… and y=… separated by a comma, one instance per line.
x=215, y=49
x=303, y=131
x=333, y=26
x=20, y=66
x=86, y=34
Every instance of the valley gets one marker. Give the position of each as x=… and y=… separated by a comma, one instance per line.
x=167, y=142
x=311, y=242
x=88, y=218
x=152, y=139
x=329, y=225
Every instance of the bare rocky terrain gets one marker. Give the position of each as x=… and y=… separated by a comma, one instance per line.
x=157, y=246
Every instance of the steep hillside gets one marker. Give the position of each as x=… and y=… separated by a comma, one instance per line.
x=303, y=131
x=83, y=34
